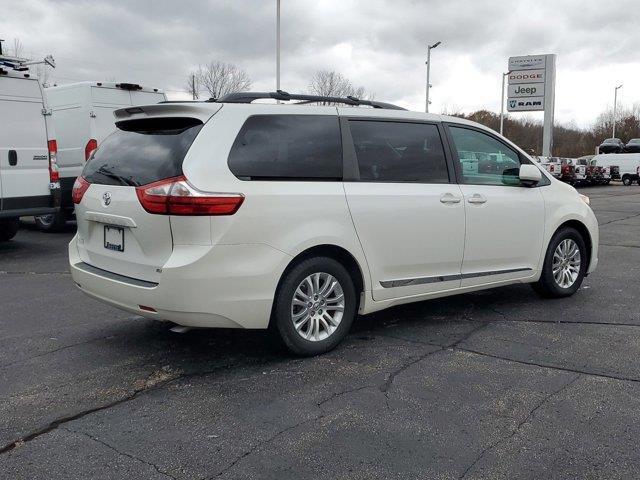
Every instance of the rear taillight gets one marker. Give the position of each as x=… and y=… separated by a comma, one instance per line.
x=176, y=196
x=79, y=188
x=89, y=148
x=54, y=174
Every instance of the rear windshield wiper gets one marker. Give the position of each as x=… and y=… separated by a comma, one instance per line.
x=115, y=176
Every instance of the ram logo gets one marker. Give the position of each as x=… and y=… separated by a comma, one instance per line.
x=106, y=199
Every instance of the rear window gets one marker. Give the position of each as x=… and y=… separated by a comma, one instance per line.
x=288, y=147
x=142, y=151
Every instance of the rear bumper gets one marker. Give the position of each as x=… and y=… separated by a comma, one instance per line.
x=32, y=205
x=224, y=286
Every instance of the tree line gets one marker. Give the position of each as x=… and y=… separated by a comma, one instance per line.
x=568, y=141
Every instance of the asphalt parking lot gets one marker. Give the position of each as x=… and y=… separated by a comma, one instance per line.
x=496, y=384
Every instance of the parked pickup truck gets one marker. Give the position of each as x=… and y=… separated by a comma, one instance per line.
x=551, y=165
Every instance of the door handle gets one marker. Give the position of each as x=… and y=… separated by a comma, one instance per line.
x=13, y=158
x=449, y=198
x=477, y=198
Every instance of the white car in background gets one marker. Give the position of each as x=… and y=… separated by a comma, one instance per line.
x=298, y=217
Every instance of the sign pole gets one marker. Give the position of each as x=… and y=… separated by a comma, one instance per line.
x=504, y=76
x=278, y=45
x=549, y=105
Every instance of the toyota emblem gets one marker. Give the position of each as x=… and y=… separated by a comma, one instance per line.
x=106, y=198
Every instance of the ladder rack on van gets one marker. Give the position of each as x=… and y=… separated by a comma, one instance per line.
x=22, y=64
x=248, y=97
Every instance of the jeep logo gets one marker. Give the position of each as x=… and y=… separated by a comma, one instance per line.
x=526, y=91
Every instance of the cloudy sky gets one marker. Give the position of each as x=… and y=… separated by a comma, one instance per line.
x=378, y=44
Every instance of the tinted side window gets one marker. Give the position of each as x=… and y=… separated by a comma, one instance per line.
x=399, y=152
x=288, y=147
x=483, y=159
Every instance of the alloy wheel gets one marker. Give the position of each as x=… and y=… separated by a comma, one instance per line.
x=317, y=306
x=566, y=263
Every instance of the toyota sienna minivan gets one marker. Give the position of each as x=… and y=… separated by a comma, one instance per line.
x=299, y=216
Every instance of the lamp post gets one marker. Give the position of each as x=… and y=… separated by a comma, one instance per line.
x=278, y=45
x=615, y=106
x=504, y=75
x=428, y=62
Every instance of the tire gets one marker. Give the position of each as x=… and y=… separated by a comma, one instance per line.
x=54, y=222
x=320, y=334
x=549, y=285
x=626, y=180
x=8, y=228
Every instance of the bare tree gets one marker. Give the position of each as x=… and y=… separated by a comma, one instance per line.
x=220, y=78
x=192, y=85
x=329, y=83
x=18, y=48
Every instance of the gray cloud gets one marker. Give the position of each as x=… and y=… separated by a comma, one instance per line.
x=378, y=44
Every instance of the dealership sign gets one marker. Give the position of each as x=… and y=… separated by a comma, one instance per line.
x=526, y=76
x=526, y=90
x=525, y=104
x=530, y=62
x=531, y=88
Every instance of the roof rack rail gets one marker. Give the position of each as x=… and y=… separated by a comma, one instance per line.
x=248, y=97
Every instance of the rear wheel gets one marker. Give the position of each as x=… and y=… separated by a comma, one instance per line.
x=8, y=228
x=314, y=306
x=626, y=180
x=54, y=222
x=564, y=264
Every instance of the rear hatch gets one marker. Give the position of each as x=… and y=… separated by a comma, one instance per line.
x=115, y=232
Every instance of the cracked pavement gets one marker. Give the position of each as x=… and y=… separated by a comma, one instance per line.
x=494, y=384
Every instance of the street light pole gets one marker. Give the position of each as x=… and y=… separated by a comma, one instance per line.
x=504, y=75
x=278, y=45
x=615, y=106
x=428, y=62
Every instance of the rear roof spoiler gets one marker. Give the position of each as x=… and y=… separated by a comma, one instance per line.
x=202, y=112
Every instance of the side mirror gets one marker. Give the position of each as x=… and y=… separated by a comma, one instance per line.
x=529, y=174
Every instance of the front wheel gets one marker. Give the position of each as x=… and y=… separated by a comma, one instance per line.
x=564, y=265
x=314, y=306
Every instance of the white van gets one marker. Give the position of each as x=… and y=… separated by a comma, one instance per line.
x=83, y=116
x=28, y=176
x=235, y=214
x=627, y=163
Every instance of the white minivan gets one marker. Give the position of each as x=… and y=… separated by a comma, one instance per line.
x=28, y=173
x=297, y=217
x=82, y=114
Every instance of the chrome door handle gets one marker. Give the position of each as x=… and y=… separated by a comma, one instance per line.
x=449, y=198
x=477, y=198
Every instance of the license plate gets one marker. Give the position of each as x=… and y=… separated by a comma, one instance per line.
x=114, y=238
